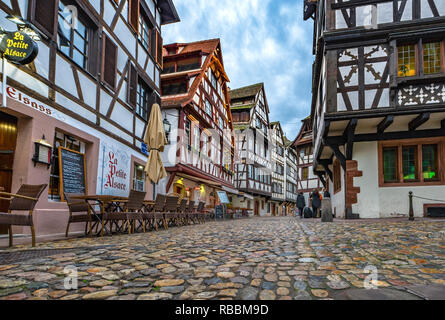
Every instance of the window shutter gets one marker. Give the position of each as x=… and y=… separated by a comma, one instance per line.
x=109, y=62
x=133, y=14
x=132, y=85
x=159, y=49
x=153, y=46
x=44, y=14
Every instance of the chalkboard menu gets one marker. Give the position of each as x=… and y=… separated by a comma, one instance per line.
x=72, y=172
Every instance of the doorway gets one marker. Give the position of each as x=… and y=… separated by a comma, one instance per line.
x=8, y=140
x=256, y=208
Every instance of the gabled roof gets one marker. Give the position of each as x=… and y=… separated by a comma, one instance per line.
x=244, y=92
x=305, y=134
x=207, y=47
x=278, y=125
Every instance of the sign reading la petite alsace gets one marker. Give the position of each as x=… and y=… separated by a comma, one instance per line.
x=18, y=47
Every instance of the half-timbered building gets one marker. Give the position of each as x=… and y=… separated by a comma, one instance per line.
x=278, y=163
x=90, y=90
x=250, y=113
x=307, y=181
x=378, y=104
x=195, y=101
x=291, y=176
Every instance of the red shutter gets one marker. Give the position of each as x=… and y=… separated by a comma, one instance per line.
x=132, y=85
x=159, y=49
x=133, y=14
x=44, y=14
x=109, y=62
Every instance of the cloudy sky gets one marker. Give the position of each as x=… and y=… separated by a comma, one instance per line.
x=262, y=41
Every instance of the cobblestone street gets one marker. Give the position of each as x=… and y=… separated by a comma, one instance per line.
x=256, y=258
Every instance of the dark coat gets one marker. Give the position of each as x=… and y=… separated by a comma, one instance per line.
x=316, y=202
x=301, y=202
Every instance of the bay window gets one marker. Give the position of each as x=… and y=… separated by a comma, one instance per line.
x=425, y=58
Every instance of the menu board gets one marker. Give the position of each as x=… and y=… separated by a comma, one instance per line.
x=222, y=195
x=72, y=172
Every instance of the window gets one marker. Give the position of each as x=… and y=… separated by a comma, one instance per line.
x=407, y=60
x=65, y=141
x=390, y=166
x=410, y=162
x=220, y=122
x=73, y=42
x=205, y=141
x=429, y=162
x=305, y=173
x=145, y=28
x=432, y=58
x=189, y=64
x=208, y=108
x=250, y=168
x=139, y=178
x=213, y=80
x=196, y=137
x=337, y=176
x=144, y=99
x=187, y=138
x=133, y=13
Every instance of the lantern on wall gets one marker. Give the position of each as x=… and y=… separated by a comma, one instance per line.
x=43, y=150
x=167, y=129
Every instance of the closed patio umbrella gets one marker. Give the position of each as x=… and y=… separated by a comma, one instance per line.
x=156, y=140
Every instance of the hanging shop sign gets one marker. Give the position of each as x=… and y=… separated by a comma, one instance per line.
x=17, y=47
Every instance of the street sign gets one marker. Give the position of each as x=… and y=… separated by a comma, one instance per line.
x=144, y=149
x=17, y=47
x=222, y=195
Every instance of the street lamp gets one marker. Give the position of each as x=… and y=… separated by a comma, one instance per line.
x=25, y=26
x=167, y=129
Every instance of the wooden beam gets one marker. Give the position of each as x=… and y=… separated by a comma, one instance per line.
x=320, y=176
x=335, y=148
x=418, y=121
x=385, y=123
x=327, y=125
x=326, y=168
x=348, y=134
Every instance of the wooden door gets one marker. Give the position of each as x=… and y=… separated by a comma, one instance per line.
x=8, y=139
x=273, y=209
x=256, y=208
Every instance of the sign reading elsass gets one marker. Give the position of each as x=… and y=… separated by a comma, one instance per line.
x=18, y=47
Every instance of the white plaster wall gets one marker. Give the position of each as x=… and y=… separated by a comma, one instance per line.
x=368, y=205
x=169, y=154
x=376, y=202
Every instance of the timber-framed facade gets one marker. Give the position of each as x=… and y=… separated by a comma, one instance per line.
x=195, y=100
x=250, y=112
x=90, y=89
x=278, y=157
x=378, y=103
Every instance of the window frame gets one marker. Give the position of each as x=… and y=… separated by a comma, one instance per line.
x=419, y=46
x=135, y=180
x=419, y=143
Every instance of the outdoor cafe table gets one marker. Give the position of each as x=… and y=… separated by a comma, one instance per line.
x=113, y=202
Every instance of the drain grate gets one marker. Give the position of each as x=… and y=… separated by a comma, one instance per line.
x=16, y=256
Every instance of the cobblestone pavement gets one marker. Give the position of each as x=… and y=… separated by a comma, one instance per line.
x=256, y=258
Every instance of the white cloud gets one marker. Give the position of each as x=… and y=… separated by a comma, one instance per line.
x=262, y=41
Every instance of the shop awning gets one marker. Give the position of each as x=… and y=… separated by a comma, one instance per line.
x=230, y=190
x=246, y=195
x=198, y=180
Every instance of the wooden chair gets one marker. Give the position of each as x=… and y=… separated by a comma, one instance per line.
x=133, y=210
x=75, y=206
x=192, y=215
x=182, y=215
x=171, y=210
x=25, y=200
x=155, y=218
x=202, y=213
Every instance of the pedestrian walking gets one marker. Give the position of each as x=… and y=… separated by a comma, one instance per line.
x=316, y=202
x=301, y=203
x=326, y=193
